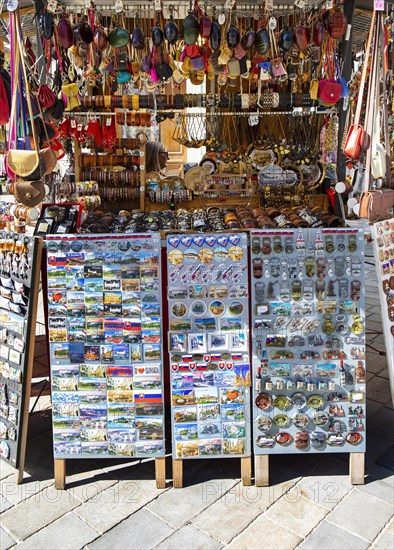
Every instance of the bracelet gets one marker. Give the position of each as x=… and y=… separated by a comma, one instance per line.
x=135, y=100
x=107, y=101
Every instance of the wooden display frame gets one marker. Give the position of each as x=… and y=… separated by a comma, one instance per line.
x=246, y=471
x=60, y=473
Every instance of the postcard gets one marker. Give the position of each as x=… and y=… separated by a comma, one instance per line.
x=119, y=370
x=120, y=383
x=121, y=449
x=92, y=384
x=232, y=395
x=147, y=382
x=89, y=434
x=66, y=435
x=233, y=412
x=150, y=448
x=223, y=378
x=228, y=324
x=183, y=397
x=152, y=352
x=185, y=432
x=203, y=378
x=234, y=446
x=61, y=351
x=177, y=293
x=206, y=395
x=149, y=409
x=208, y=412
x=207, y=430
x=95, y=448
x=91, y=353
x=121, y=435
x=205, y=324
x=186, y=449
x=210, y=447
x=149, y=423
x=327, y=370
x=185, y=414
x=121, y=352
x=64, y=384
x=131, y=285
x=67, y=448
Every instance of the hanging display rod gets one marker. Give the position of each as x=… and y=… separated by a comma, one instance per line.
x=170, y=114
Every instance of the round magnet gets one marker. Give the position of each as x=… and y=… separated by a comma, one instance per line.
x=282, y=402
x=179, y=309
x=301, y=440
x=320, y=418
x=176, y=358
x=217, y=307
x=190, y=256
x=76, y=246
x=52, y=246
x=124, y=245
x=315, y=402
x=220, y=254
x=263, y=423
x=263, y=401
x=205, y=256
x=281, y=420
x=283, y=438
x=265, y=440
x=354, y=438
x=335, y=440
x=175, y=257
x=198, y=308
x=236, y=308
x=318, y=440
x=300, y=420
x=235, y=253
x=299, y=400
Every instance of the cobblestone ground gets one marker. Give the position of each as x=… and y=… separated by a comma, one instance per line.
x=107, y=504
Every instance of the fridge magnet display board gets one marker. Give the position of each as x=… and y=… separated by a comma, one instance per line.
x=208, y=344
x=384, y=261
x=308, y=327
x=20, y=261
x=105, y=333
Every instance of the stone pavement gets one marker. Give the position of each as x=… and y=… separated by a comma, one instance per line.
x=115, y=504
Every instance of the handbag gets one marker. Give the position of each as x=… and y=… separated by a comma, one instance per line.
x=21, y=162
x=277, y=68
x=375, y=205
x=45, y=96
x=329, y=91
x=198, y=63
x=163, y=69
x=356, y=138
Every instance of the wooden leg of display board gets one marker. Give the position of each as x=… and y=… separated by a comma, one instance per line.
x=29, y=351
x=177, y=473
x=261, y=470
x=160, y=472
x=246, y=470
x=357, y=468
x=60, y=473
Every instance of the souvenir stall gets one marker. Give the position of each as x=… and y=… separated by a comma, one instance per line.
x=258, y=240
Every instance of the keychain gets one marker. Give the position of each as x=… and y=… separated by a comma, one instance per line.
x=289, y=247
x=278, y=248
x=256, y=247
x=260, y=292
x=341, y=243
x=329, y=244
x=328, y=326
x=310, y=267
x=341, y=326
x=352, y=243
x=308, y=290
x=296, y=290
x=320, y=290
x=357, y=326
x=266, y=247
x=275, y=267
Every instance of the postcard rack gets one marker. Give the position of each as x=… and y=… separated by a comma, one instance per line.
x=20, y=263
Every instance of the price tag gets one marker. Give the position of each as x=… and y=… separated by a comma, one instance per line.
x=378, y=5
x=108, y=121
x=158, y=5
x=73, y=123
x=299, y=4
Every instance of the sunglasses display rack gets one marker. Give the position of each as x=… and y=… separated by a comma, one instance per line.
x=308, y=325
x=208, y=345
x=20, y=262
x=105, y=333
x=383, y=233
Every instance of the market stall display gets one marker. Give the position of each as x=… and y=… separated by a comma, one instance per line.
x=383, y=243
x=308, y=322
x=104, y=309
x=208, y=344
x=20, y=261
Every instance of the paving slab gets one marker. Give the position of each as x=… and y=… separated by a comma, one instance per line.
x=177, y=507
x=191, y=538
x=379, y=390
x=327, y=487
x=37, y=512
x=376, y=362
x=385, y=540
x=380, y=484
x=264, y=534
x=6, y=541
x=139, y=531
x=331, y=537
x=118, y=502
x=296, y=513
x=365, y=517
x=6, y=470
x=88, y=485
x=67, y=533
x=233, y=512
x=15, y=493
x=4, y=504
